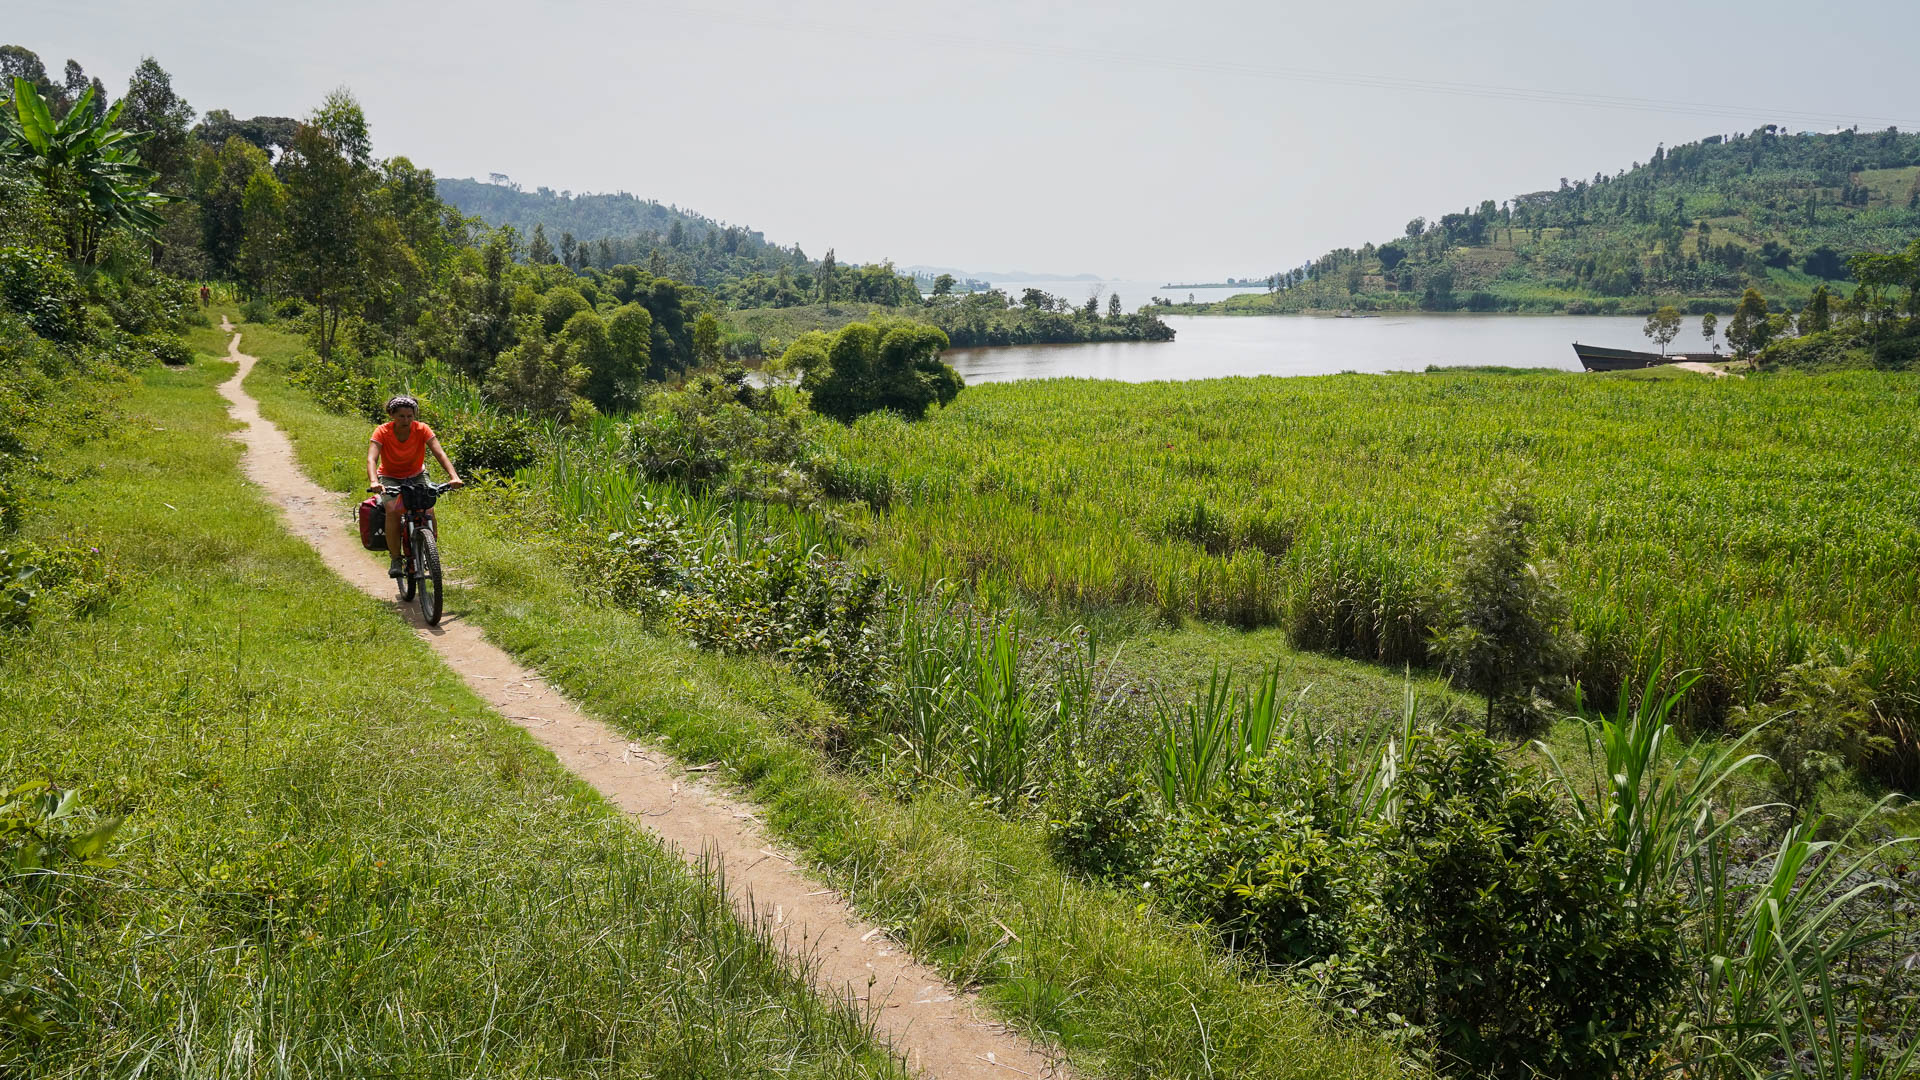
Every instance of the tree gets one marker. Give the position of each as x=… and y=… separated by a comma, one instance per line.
x=1824, y=262
x=1114, y=309
x=1663, y=326
x=827, y=268
x=559, y=305
x=153, y=109
x=1504, y=626
x=1817, y=317
x=1390, y=256
x=1416, y=227
x=221, y=180
x=865, y=368
x=1749, y=330
x=263, y=212
x=706, y=339
x=614, y=380
x=86, y=163
x=1709, y=327
x=569, y=251
x=539, y=248
x=1882, y=276
x=538, y=375
x=328, y=229
x=943, y=285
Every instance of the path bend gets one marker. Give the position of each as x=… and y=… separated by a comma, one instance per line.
x=941, y=1031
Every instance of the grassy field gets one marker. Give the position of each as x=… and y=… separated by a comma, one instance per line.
x=1733, y=526
x=333, y=859
x=1124, y=991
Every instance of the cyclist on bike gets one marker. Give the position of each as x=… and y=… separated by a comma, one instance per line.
x=396, y=458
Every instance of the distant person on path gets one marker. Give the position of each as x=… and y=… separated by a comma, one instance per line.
x=206, y=296
x=397, y=458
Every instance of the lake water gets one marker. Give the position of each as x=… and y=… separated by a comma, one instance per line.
x=1213, y=346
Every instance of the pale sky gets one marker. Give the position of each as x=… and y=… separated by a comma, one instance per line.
x=1170, y=140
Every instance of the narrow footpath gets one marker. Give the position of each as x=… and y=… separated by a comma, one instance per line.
x=941, y=1031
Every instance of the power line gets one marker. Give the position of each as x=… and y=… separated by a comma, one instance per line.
x=1535, y=95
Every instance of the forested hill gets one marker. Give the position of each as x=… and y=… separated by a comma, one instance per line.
x=1695, y=226
x=589, y=218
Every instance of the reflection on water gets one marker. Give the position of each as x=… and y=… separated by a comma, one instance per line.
x=1208, y=347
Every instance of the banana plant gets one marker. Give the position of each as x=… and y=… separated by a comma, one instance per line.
x=87, y=164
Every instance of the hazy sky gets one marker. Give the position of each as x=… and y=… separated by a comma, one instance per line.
x=1177, y=140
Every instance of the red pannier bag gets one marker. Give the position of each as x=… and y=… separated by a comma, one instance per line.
x=373, y=525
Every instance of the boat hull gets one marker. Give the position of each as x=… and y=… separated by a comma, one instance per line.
x=1599, y=358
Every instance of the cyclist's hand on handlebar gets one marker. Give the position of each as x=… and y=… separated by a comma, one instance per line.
x=456, y=482
x=376, y=487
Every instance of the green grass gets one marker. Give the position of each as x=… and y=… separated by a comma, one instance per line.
x=1731, y=526
x=1126, y=992
x=335, y=860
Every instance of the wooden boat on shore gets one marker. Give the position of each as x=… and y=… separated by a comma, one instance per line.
x=1600, y=358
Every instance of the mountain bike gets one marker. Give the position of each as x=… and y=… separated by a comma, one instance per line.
x=420, y=580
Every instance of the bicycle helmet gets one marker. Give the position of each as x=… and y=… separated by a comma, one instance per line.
x=402, y=401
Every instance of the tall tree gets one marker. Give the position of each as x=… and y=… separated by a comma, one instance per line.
x=1663, y=326
x=152, y=108
x=220, y=183
x=1749, y=330
x=706, y=339
x=1113, y=306
x=539, y=249
x=1709, y=327
x=329, y=179
x=1817, y=317
x=827, y=270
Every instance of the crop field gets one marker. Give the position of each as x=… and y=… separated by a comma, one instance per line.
x=1734, y=527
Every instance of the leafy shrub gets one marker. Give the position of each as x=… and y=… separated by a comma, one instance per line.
x=1823, y=722
x=347, y=382
x=37, y=283
x=823, y=618
x=491, y=442
x=1100, y=820
x=1500, y=926
x=1267, y=860
x=257, y=309
x=716, y=427
x=73, y=576
x=169, y=349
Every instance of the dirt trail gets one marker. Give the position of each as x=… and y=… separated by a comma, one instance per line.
x=940, y=1030
x=1706, y=369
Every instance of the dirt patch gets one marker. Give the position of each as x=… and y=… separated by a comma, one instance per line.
x=940, y=1030
x=1706, y=369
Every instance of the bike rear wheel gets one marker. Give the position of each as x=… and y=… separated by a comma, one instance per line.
x=409, y=559
x=427, y=558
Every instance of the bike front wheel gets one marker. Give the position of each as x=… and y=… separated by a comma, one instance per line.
x=427, y=558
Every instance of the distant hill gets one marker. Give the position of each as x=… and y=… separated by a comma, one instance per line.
x=1695, y=226
x=735, y=263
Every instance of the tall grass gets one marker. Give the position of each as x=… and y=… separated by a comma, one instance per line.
x=1736, y=527
x=1770, y=938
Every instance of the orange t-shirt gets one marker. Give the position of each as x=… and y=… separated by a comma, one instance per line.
x=402, y=459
